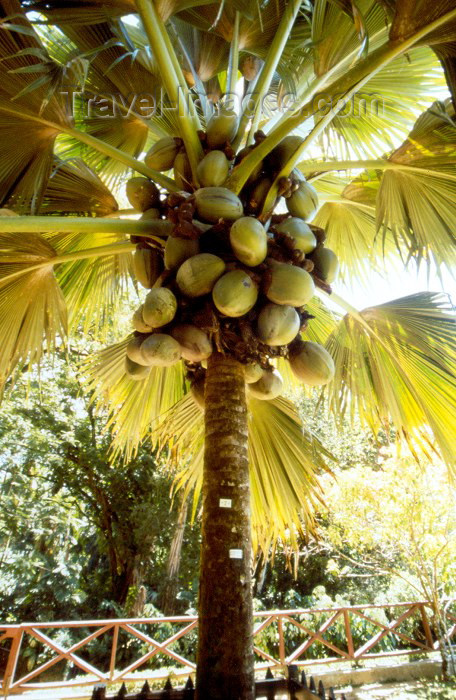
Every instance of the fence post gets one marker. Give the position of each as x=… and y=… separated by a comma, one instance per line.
x=112, y=663
x=189, y=691
x=281, y=641
x=321, y=690
x=293, y=681
x=427, y=627
x=12, y=661
x=348, y=635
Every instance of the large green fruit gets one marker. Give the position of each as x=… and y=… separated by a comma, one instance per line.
x=212, y=171
x=152, y=213
x=235, y=293
x=160, y=307
x=195, y=344
x=312, y=363
x=250, y=66
x=214, y=203
x=142, y=193
x=281, y=154
x=253, y=372
x=249, y=241
x=268, y=387
x=221, y=128
x=183, y=172
x=197, y=392
x=303, y=202
x=162, y=154
x=138, y=321
x=160, y=350
x=197, y=275
x=302, y=234
x=258, y=193
x=133, y=350
x=289, y=285
x=135, y=371
x=278, y=325
x=243, y=153
x=147, y=266
x=326, y=264
x=177, y=250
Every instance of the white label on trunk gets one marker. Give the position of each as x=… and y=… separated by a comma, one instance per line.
x=225, y=503
x=236, y=554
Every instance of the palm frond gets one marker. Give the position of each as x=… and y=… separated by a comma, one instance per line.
x=337, y=34
x=322, y=324
x=396, y=366
x=90, y=12
x=134, y=407
x=419, y=203
x=410, y=17
x=285, y=461
x=410, y=198
x=348, y=216
x=74, y=188
x=257, y=27
x=374, y=120
x=32, y=307
x=93, y=269
x=207, y=51
x=25, y=169
x=94, y=287
x=112, y=85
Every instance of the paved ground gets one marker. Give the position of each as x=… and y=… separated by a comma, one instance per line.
x=417, y=690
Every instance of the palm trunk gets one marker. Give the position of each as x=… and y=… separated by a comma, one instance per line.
x=225, y=651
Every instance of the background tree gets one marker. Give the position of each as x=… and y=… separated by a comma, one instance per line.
x=399, y=520
x=80, y=535
x=393, y=363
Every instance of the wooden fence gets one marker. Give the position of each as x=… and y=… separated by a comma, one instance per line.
x=50, y=654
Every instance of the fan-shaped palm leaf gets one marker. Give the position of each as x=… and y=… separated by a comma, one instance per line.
x=408, y=17
x=418, y=201
x=74, y=188
x=396, y=365
x=375, y=120
x=134, y=407
x=349, y=220
x=24, y=171
x=96, y=11
x=284, y=462
x=93, y=288
x=32, y=308
x=410, y=196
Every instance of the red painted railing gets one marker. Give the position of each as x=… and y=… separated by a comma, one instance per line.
x=282, y=637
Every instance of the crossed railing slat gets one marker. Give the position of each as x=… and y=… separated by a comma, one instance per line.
x=282, y=619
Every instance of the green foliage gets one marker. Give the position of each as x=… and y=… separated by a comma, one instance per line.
x=400, y=520
x=78, y=533
x=398, y=513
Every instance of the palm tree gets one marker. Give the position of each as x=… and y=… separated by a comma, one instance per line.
x=87, y=87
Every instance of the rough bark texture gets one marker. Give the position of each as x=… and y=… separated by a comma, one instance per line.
x=225, y=649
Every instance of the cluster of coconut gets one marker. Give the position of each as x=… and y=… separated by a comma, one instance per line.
x=222, y=275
